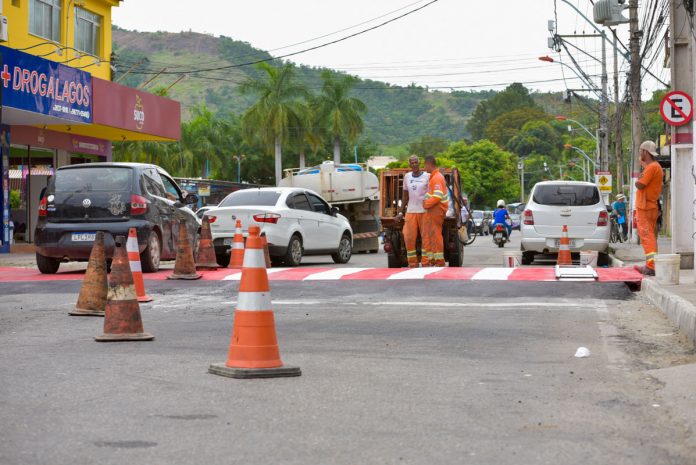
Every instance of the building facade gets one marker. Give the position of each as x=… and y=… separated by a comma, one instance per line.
x=58, y=105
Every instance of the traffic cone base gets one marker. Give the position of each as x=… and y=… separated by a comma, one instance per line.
x=122, y=320
x=206, y=251
x=92, y=298
x=247, y=373
x=184, y=267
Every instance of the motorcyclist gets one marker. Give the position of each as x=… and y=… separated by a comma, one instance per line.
x=502, y=217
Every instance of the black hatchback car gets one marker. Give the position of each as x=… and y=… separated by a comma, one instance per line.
x=112, y=197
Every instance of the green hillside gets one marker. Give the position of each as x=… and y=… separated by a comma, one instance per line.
x=397, y=115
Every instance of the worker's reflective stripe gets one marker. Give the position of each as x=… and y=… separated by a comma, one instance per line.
x=438, y=256
x=411, y=253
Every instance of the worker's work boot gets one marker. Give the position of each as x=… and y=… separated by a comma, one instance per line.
x=644, y=270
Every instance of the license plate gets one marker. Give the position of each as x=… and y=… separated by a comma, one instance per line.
x=84, y=237
x=227, y=241
x=557, y=243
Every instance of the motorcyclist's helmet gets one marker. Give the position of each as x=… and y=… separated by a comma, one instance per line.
x=501, y=203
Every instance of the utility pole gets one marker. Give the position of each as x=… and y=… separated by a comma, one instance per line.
x=618, y=123
x=520, y=167
x=634, y=87
x=682, y=183
x=604, y=113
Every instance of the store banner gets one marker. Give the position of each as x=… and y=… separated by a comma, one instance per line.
x=38, y=85
x=5, y=192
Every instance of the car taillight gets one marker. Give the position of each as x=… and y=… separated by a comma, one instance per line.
x=271, y=218
x=43, y=207
x=138, y=205
x=528, y=217
x=603, y=219
x=211, y=219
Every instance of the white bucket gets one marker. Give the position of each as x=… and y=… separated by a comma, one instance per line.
x=589, y=258
x=512, y=258
x=667, y=268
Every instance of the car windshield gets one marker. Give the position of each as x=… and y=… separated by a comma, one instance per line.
x=251, y=197
x=109, y=179
x=478, y=214
x=566, y=195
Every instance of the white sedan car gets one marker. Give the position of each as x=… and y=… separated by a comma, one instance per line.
x=295, y=221
x=554, y=204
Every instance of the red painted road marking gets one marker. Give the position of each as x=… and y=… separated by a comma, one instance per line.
x=627, y=275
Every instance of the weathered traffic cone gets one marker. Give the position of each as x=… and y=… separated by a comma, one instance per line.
x=564, y=257
x=266, y=253
x=253, y=351
x=237, y=251
x=92, y=299
x=122, y=321
x=184, y=267
x=135, y=266
x=206, y=251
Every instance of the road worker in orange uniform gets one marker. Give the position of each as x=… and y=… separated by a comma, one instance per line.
x=649, y=189
x=415, y=188
x=436, y=204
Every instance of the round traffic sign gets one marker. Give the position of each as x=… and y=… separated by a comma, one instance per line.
x=677, y=108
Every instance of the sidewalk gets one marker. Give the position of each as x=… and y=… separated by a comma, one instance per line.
x=678, y=302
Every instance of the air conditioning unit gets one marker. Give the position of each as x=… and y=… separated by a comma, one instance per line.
x=3, y=28
x=609, y=12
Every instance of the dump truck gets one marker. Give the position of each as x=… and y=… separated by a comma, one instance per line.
x=351, y=188
x=391, y=193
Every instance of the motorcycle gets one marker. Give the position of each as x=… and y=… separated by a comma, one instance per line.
x=500, y=235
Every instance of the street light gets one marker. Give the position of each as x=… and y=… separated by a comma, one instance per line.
x=591, y=86
x=565, y=118
x=239, y=167
x=581, y=152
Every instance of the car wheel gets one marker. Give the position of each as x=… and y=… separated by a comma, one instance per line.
x=222, y=259
x=527, y=258
x=344, y=252
x=150, y=258
x=603, y=259
x=293, y=256
x=47, y=265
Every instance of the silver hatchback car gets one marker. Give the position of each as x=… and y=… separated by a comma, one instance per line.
x=554, y=204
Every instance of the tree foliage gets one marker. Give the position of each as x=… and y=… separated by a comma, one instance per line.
x=513, y=97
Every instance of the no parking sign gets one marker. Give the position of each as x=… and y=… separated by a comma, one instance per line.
x=677, y=108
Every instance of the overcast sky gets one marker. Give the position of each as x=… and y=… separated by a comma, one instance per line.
x=449, y=44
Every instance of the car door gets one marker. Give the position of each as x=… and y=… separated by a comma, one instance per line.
x=329, y=226
x=308, y=220
x=163, y=207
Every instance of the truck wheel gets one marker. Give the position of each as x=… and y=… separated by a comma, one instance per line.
x=47, y=265
x=222, y=259
x=150, y=258
x=344, y=252
x=293, y=256
x=393, y=261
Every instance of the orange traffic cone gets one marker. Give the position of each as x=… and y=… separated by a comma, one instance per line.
x=253, y=351
x=92, y=299
x=135, y=267
x=184, y=267
x=206, y=251
x=266, y=253
x=122, y=321
x=237, y=251
x=564, y=249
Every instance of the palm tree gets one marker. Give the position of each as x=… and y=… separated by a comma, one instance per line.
x=277, y=111
x=342, y=115
x=308, y=133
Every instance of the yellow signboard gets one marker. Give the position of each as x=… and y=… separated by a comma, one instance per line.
x=603, y=181
x=204, y=191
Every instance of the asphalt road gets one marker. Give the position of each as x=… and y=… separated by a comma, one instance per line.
x=409, y=372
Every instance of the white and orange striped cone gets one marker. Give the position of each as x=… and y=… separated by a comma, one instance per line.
x=237, y=250
x=135, y=266
x=253, y=351
x=266, y=253
x=564, y=257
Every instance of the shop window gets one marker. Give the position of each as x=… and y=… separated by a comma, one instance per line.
x=87, y=31
x=44, y=19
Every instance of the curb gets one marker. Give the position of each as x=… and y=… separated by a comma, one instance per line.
x=680, y=311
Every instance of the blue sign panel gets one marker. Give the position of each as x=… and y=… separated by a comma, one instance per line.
x=42, y=86
x=5, y=191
